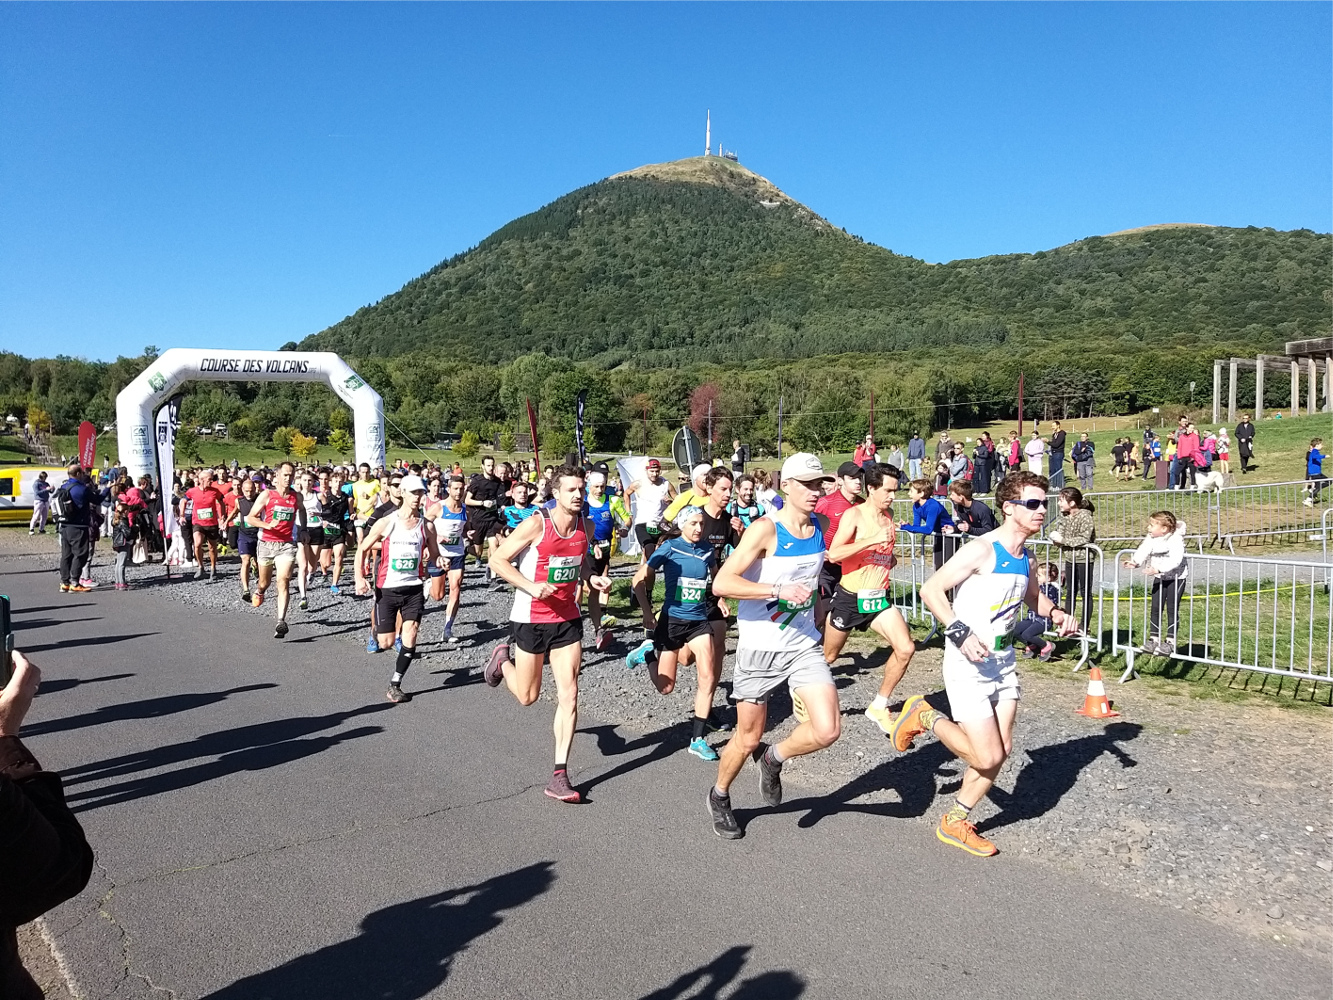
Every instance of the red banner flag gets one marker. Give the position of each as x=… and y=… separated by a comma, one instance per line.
x=532, y=426
x=88, y=445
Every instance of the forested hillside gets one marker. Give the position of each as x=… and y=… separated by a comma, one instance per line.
x=649, y=269
x=697, y=285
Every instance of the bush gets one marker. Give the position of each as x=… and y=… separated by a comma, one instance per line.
x=282, y=439
x=468, y=445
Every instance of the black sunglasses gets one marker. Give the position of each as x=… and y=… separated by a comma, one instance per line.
x=1031, y=504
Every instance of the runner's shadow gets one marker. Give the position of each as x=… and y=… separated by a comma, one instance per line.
x=92, y=640
x=49, y=622
x=1052, y=771
x=660, y=745
x=707, y=981
x=149, y=708
x=913, y=775
x=404, y=951
x=221, y=743
x=68, y=683
x=51, y=607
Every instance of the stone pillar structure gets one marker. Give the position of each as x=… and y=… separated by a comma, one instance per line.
x=1258, y=388
x=1231, y=395
x=1312, y=404
x=1295, y=388
x=1217, y=391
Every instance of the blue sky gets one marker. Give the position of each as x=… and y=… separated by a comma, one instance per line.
x=242, y=175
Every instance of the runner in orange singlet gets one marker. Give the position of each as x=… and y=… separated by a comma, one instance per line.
x=863, y=597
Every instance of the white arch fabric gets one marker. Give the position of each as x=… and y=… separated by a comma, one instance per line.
x=137, y=402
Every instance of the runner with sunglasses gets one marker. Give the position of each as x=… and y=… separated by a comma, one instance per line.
x=995, y=576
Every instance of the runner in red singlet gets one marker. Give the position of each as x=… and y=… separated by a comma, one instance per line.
x=274, y=513
x=553, y=557
x=209, y=512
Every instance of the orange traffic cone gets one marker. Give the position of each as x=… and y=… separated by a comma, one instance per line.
x=1095, y=705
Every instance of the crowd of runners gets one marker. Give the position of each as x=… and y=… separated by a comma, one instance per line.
x=794, y=569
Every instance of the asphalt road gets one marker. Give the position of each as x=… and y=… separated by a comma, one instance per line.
x=267, y=826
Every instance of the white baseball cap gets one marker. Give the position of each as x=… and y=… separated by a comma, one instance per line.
x=412, y=484
x=596, y=479
x=699, y=471
x=804, y=467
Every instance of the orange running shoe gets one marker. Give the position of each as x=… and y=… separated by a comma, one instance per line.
x=257, y=598
x=907, y=726
x=961, y=833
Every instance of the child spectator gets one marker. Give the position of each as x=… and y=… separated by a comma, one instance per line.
x=1030, y=630
x=122, y=541
x=928, y=516
x=1314, y=471
x=1161, y=555
x=1224, y=451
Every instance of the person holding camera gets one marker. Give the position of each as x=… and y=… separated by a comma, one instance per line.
x=44, y=857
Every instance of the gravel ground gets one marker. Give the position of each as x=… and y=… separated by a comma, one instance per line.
x=1134, y=804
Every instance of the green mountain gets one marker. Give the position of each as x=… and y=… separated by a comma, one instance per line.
x=703, y=260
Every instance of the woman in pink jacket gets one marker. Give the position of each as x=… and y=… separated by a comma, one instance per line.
x=1187, y=454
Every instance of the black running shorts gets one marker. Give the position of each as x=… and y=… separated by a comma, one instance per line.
x=673, y=633
x=845, y=613
x=539, y=638
x=410, y=601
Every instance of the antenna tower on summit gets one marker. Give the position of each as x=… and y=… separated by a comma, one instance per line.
x=708, y=132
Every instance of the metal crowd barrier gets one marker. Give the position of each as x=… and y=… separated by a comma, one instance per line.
x=1274, y=616
x=1225, y=516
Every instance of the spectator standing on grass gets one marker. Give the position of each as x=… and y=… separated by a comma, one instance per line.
x=1083, y=455
x=982, y=456
x=1035, y=450
x=1224, y=451
x=740, y=455
x=943, y=447
x=1314, y=471
x=865, y=452
x=1188, y=454
x=1015, y=452
x=958, y=465
x=916, y=454
x=1071, y=531
x=1245, y=442
x=1057, y=456
x=1152, y=450
x=41, y=504
x=896, y=458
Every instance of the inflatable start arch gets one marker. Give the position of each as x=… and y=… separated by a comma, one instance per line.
x=137, y=402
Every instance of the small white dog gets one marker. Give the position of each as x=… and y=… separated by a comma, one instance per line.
x=1206, y=481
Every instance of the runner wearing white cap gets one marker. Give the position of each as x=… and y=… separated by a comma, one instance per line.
x=773, y=575
x=407, y=548
x=651, y=494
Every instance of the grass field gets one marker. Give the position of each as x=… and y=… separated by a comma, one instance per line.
x=1280, y=446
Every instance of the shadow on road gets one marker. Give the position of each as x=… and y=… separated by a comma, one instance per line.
x=708, y=981
x=69, y=683
x=19, y=626
x=403, y=951
x=912, y=775
x=660, y=745
x=51, y=607
x=148, y=708
x=247, y=748
x=1052, y=770
x=92, y=640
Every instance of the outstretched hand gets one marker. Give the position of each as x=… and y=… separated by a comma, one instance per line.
x=16, y=698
